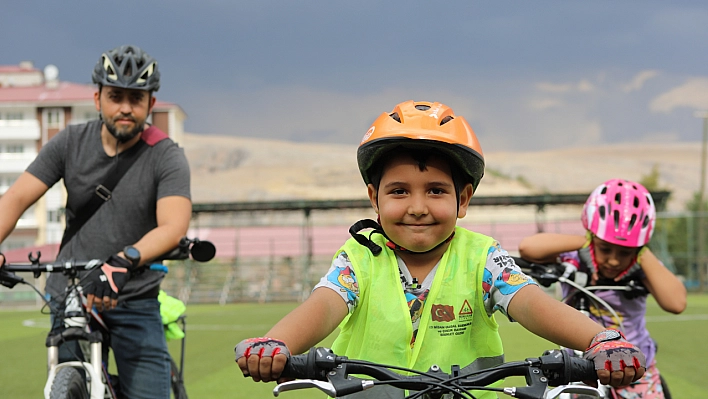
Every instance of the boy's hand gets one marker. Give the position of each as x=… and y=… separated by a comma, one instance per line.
x=262, y=359
x=617, y=361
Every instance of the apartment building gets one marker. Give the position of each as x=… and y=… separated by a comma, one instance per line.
x=34, y=106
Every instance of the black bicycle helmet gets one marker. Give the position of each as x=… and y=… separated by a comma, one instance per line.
x=128, y=67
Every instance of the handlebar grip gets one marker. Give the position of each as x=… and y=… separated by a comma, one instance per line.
x=297, y=367
x=313, y=365
x=582, y=369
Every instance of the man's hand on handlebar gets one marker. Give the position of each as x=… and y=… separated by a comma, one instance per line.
x=262, y=359
x=104, y=283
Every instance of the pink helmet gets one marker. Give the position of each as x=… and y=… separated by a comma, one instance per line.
x=620, y=212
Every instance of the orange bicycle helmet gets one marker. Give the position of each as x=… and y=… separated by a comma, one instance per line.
x=423, y=125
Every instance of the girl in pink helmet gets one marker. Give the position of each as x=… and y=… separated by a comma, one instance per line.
x=619, y=217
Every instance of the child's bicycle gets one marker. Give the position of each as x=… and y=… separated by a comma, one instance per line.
x=88, y=378
x=333, y=375
x=583, y=296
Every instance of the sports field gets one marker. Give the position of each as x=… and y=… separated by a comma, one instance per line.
x=212, y=332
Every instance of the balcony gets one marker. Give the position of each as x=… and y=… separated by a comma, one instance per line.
x=16, y=163
x=24, y=129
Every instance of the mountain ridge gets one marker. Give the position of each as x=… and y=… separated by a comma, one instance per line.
x=230, y=169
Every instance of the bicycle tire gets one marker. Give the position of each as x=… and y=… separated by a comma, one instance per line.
x=68, y=384
x=665, y=387
x=178, y=389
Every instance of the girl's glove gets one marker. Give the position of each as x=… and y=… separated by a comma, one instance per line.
x=610, y=351
x=568, y=269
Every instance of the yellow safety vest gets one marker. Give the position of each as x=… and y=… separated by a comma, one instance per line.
x=454, y=328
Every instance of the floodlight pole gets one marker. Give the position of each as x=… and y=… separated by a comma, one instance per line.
x=701, y=208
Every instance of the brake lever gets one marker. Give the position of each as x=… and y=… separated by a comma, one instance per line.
x=323, y=386
x=579, y=389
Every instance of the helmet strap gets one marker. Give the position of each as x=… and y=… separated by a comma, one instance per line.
x=376, y=228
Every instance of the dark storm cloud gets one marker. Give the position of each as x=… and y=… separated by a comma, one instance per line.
x=526, y=74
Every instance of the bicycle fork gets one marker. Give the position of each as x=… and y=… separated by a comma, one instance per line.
x=92, y=369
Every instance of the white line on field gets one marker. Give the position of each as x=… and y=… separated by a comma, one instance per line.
x=44, y=323
x=680, y=317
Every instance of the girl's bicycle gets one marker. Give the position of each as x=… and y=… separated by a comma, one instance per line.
x=88, y=378
x=334, y=375
x=582, y=297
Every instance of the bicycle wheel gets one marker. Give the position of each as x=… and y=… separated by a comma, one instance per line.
x=68, y=384
x=178, y=389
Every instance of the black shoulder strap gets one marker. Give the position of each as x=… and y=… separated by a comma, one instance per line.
x=103, y=191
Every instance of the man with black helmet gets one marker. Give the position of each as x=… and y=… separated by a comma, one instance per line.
x=144, y=215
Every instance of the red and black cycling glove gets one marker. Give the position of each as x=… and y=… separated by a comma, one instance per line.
x=262, y=347
x=610, y=351
x=107, y=281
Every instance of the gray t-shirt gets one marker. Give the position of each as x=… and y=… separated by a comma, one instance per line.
x=76, y=154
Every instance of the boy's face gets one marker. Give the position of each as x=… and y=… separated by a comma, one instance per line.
x=418, y=209
x=612, y=259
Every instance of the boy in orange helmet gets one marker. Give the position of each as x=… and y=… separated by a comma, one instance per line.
x=419, y=290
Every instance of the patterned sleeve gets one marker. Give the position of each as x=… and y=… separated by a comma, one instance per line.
x=340, y=278
x=570, y=257
x=502, y=280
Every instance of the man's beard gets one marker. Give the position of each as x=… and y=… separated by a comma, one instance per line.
x=123, y=135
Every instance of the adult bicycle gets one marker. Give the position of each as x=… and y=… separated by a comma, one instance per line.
x=88, y=377
x=583, y=297
x=322, y=369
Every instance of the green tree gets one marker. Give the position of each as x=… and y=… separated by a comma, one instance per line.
x=680, y=235
x=651, y=181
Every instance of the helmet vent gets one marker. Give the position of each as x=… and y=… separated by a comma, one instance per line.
x=396, y=117
x=446, y=120
x=616, y=215
x=604, y=190
x=601, y=210
x=618, y=198
x=645, y=223
x=636, y=202
x=422, y=107
x=631, y=222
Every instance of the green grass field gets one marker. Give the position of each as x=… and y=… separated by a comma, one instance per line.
x=212, y=332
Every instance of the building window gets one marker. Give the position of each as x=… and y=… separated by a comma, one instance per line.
x=54, y=118
x=54, y=215
x=10, y=116
x=14, y=148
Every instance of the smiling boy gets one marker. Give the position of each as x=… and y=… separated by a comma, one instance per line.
x=420, y=290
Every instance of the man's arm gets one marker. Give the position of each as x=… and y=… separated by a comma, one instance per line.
x=173, y=216
x=18, y=198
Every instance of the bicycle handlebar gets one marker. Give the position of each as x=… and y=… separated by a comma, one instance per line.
x=201, y=251
x=320, y=368
x=547, y=274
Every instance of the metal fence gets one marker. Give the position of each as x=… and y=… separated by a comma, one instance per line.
x=280, y=255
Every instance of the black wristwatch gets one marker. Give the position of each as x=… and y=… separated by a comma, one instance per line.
x=132, y=254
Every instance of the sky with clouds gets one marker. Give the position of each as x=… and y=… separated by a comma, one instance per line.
x=526, y=74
